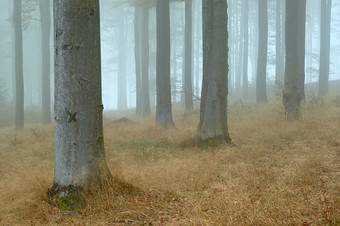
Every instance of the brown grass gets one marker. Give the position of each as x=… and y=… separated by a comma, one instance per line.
x=276, y=173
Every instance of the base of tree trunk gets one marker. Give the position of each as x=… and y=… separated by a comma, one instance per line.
x=215, y=141
x=70, y=199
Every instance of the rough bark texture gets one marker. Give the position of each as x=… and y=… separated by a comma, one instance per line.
x=145, y=61
x=213, y=124
x=19, y=73
x=45, y=19
x=188, y=56
x=164, y=107
x=326, y=6
x=79, y=144
x=261, y=75
x=137, y=61
x=291, y=91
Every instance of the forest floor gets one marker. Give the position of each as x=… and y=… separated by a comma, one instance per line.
x=275, y=173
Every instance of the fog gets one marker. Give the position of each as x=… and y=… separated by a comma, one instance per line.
x=117, y=36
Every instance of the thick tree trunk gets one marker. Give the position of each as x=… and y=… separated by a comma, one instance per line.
x=164, y=107
x=145, y=61
x=19, y=73
x=138, y=61
x=45, y=19
x=245, y=7
x=79, y=144
x=188, y=56
x=291, y=91
x=326, y=6
x=213, y=124
x=261, y=75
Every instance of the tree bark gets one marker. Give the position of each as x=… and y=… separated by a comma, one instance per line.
x=213, y=124
x=291, y=91
x=326, y=6
x=138, y=61
x=19, y=73
x=79, y=144
x=245, y=7
x=301, y=45
x=45, y=19
x=261, y=75
x=188, y=56
x=164, y=107
x=121, y=89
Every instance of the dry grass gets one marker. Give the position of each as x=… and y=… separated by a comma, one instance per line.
x=277, y=172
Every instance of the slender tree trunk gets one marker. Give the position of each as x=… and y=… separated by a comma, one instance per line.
x=291, y=91
x=138, y=61
x=188, y=56
x=121, y=91
x=144, y=38
x=45, y=18
x=301, y=42
x=19, y=73
x=213, y=124
x=245, y=7
x=261, y=84
x=278, y=68
x=326, y=6
x=79, y=144
x=164, y=107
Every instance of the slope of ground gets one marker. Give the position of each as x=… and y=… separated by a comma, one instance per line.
x=276, y=173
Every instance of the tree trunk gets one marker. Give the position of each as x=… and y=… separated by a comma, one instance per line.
x=145, y=61
x=291, y=91
x=19, y=73
x=261, y=76
x=79, y=144
x=45, y=19
x=121, y=89
x=188, y=56
x=301, y=44
x=213, y=124
x=245, y=49
x=164, y=107
x=279, y=42
x=326, y=6
x=138, y=61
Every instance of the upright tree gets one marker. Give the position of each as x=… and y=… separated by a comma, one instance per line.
x=261, y=75
x=188, y=56
x=325, y=30
x=245, y=6
x=213, y=124
x=301, y=45
x=164, y=107
x=121, y=88
x=45, y=20
x=279, y=24
x=19, y=73
x=137, y=17
x=79, y=144
x=291, y=91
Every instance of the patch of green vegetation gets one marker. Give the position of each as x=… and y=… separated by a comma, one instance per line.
x=71, y=199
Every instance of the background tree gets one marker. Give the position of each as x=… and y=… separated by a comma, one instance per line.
x=301, y=45
x=245, y=6
x=137, y=18
x=19, y=74
x=325, y=36
x=79, y=144
x=164, y=107
x=45, y=20
x=261, y=75
x=291, y=91
x=213, y=113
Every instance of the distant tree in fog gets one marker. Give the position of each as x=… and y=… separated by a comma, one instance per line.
x=45, y=20
x=19, y=74
x=325, y=30
x=79, y=144
x=164, y=106
x=213, y=124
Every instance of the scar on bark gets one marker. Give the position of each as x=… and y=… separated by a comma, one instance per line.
x=72, y=116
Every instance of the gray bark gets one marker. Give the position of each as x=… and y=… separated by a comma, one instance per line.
x=261, y=75
x=301, y=44
x=45, y=19
x=146, y=109
x=188, y=56
x=245, y=49
x=164, y=107
x=19, y=73
x=121, y=89
x=291, y=91
x=279, y=69
x=79, y=144
x=213, y=124
x=326, y=6
x=138, y=61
